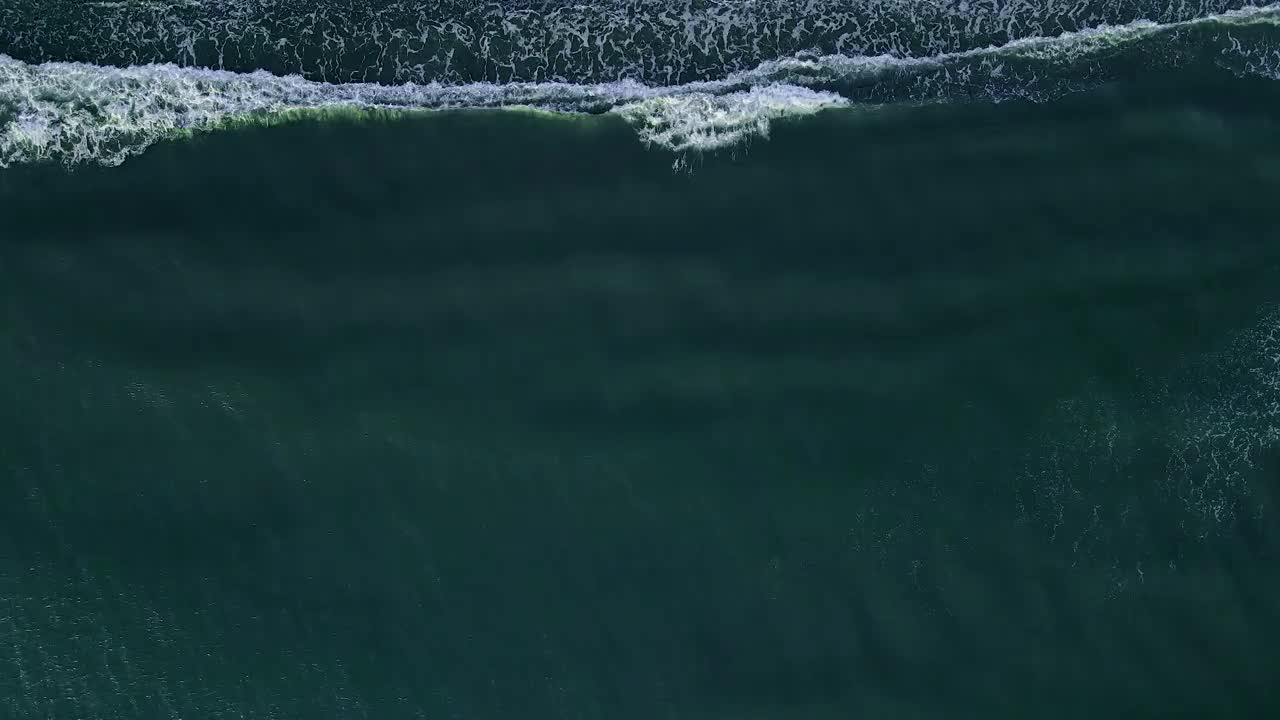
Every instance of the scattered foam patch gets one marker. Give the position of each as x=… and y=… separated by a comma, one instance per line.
x=1255, y=59
x=1208, y=426
x=1227, y=426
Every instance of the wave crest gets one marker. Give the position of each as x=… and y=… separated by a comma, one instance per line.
x=75, y=112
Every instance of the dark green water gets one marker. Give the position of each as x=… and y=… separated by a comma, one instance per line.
x=962, y=411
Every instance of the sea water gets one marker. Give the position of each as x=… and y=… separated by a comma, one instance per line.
x=652, y=359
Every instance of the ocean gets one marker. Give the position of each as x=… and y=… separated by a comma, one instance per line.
x=639, y=359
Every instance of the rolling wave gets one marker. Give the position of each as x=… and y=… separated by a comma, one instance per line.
x=72, y=112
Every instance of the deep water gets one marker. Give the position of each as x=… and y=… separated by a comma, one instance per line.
x=963, y=409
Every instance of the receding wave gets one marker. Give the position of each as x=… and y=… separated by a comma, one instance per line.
x=462, y=41
x=80, y=112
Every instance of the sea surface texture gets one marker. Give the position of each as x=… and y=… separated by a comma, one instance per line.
x=639, y=359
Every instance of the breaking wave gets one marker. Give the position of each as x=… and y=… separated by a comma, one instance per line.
x=76, y=112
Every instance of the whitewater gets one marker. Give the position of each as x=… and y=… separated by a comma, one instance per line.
x=75, y=112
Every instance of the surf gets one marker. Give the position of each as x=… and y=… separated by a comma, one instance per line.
x=466, y=41
x=74, y=112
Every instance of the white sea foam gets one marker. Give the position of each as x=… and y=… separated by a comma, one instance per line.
x=705, y=121
x=73, y=112
x=459, y=41
x=77, y=113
